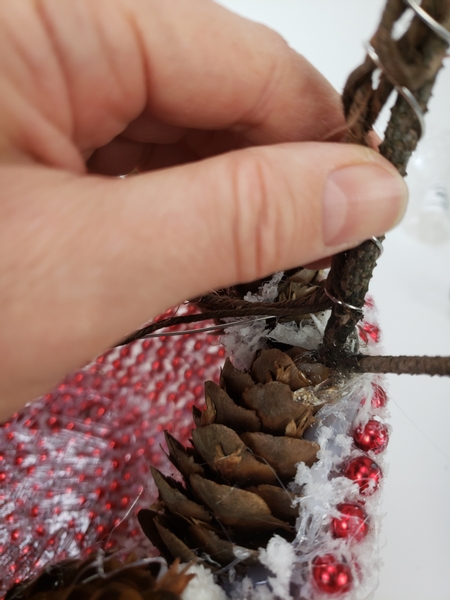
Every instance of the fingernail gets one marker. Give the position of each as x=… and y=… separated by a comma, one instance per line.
x=361, y=201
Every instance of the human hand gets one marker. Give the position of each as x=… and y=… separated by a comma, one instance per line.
x=223, y=121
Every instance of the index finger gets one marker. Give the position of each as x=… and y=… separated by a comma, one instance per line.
x=212, y=69
x=187, y=63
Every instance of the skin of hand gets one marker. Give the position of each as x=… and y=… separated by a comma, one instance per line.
x=225, y=124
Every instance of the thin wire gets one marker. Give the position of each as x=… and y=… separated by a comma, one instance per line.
x=420, y=430
x=142, y=562
x=125, y=517
x=335, y=300
x=402, y=90
x=436, y=27
x=341, y=302
x=209, y=328
x=378, y=244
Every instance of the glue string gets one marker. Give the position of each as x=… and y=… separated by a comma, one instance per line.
x=421, y=431
x=127, y=514
x=101, y=559
x=101, y=554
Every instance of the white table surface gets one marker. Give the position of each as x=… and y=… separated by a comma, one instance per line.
x=411, y=287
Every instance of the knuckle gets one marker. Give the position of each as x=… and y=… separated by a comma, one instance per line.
x=258, y=221
x=277, y=66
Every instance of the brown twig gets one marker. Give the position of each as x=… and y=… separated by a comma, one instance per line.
x=413, y=61
x=286, y=310
x=403, y=365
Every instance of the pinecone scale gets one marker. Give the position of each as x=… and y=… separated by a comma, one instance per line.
x=246, y=446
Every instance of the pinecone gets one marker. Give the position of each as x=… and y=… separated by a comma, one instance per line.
x=246, y=447
x=103, y=578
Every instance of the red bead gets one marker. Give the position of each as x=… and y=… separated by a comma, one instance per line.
x=351, y=524
x=369, y=302
x=373, y=436
x=365, y=472
x=374, y=333
x=379, y=398
x=370, y=330
x=162, y=352
x=198, y=391
x=157, y=365
x=331, y=575
x=125, y=351
x=177, y=362
x=178, y=345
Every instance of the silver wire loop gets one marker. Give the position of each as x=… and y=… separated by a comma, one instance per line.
x=436, y=27
x=335, y=300
x=441, y=32
x=340, y=302
x=378, y=244
x=407, y=95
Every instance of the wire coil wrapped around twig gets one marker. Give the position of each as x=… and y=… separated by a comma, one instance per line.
x=409, y=65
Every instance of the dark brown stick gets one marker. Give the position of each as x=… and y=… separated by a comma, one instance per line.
x=252, y=309
x=404, y=365
x=415, y=59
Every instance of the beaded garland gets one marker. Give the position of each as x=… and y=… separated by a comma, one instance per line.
x=74, y=462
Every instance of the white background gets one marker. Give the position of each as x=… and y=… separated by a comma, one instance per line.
x=412, y=290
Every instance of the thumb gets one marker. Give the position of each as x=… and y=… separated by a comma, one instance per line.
x=87, y=259
x=246, y=214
